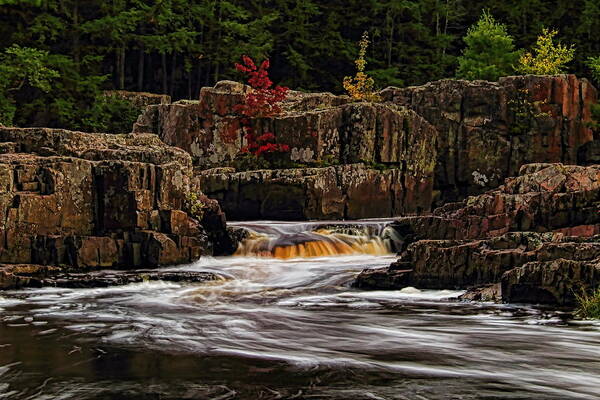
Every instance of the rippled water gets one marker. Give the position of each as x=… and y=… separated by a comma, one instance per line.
x=287, y=329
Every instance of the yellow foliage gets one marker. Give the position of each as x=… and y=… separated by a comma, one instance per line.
x=549, y=58
x=360, y=87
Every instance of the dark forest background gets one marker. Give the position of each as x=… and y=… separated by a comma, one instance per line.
x=176, y=47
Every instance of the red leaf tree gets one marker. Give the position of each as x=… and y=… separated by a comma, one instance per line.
x=262, y=101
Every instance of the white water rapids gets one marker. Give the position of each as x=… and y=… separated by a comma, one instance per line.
x=287, y=328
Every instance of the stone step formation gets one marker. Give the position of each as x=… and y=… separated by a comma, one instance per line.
x=81, y=201
x=537, y=238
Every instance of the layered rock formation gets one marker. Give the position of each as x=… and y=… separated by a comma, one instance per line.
x=83, y=201
x=538, y=235
x=140, y=99
x=19, y=276
x=320, y=129
x=338, y=192
x=441, y=141
x=489, y=130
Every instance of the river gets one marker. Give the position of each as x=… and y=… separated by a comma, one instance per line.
x=288, y=328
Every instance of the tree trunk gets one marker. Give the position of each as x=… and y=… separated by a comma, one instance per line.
x=140, y=78
x=189, y=82
x=163, y=60
x=122, y=69
x=150, y=74
x=76, y=52
x=173, y=74
x=446, y=25
x=117, y=78
x=199, y=78
x=219, y=34
x=207, y=76
x=141, y=60
x=390, y=42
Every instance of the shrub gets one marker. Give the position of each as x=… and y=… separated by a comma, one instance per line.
x=110, y=114
x=20, y=67
x=490, y=51
x=249, y=162
x=548, y=58
x=360, y=87
x=594, y=124
x=262, y=101
x=594, y=65
x=194, y=206
x=588, y=304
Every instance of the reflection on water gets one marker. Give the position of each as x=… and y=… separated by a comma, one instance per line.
x=286, y=328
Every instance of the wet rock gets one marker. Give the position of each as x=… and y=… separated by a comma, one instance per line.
x=15, y=276
x=42, y=276
x=538, y=234
x=490, y=292
x=551, y=282
x=236, y=236
x=382, y=278
x=99, y=201
x=526, y=264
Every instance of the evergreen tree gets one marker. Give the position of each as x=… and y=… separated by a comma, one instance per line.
x=20, y=66
x=594, y=64
x=178, y=46
x=490, y=51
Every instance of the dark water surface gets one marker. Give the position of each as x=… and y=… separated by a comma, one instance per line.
x=287, y=329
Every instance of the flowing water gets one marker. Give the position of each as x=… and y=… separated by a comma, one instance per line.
x=281, y=326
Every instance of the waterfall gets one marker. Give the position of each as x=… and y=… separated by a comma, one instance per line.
x=316, y=240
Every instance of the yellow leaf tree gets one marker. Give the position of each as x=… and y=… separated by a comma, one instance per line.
x=360, y=87
x=548, y=58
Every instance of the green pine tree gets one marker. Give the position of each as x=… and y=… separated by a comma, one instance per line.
x=490, y=51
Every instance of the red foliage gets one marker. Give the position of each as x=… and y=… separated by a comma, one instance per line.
x=262, y=101
x=263, y=144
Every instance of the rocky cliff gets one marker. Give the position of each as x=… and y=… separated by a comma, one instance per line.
x=350, y=191
x=489, y=130
x=432, y=144
x=73, y=200
x=320, y=129
x=537, y=237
